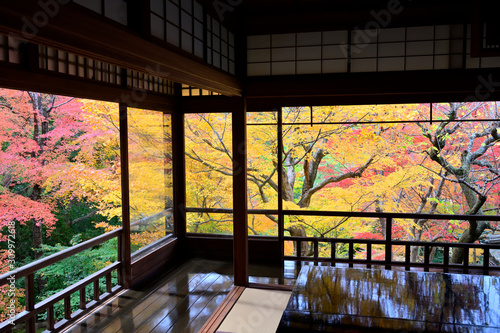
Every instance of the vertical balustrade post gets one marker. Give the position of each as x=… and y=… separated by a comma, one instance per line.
x=486, y=260
x=51, y=318
x=351, y=254
x=446, y=258
x=407, y=257
x=427, y=254
x=109, y=287
x=30, y=301
x=83, y=301
x=466, y=259
x=316, y=252
x=388, y=242
x=368, y=254
x=96, y=290
x=334, y=252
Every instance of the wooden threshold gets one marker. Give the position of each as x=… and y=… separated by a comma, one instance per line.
x=222, y=311
x=267, y=286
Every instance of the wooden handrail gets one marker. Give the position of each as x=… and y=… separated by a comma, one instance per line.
x=151, y=218
x=361, y=214
x=394, y=242
x=46, y=303
x=56, y=257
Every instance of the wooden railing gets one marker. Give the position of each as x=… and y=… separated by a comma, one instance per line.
x=388, y=243
x=28, y=317
x=388, y=261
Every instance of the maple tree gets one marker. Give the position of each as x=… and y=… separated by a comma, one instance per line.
x=467, y=153
x=60, y=173
x=43, y=127
x=350, y=158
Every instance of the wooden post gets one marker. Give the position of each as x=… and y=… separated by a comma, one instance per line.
x=124, y=249
x=179, y=171
x=240, y=206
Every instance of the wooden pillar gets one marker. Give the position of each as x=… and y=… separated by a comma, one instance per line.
x=125, y=251
x=179, y=171
x=240, y=206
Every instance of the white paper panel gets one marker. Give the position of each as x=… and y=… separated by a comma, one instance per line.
x=419, y=48
x=261, y=55
x=335, y=37
x=419, y=63
x=309, y=67
x=283, y=54
x=391, y=35
x=391, y=49
x=391, y=64
x=261, y=41
x=364, y=65
x=283, y=68
x=157, y=27
x=259, y=69
x=441, y=62
x=364, y=51
x=309, y=52
x=309, y=38
x=283, y=40
x=335, y=66
x=334, y=51
x=420, y=33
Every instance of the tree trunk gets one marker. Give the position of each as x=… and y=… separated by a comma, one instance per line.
x=414, y=250
x=37, y=227
x=475, y=229
x=300, y=231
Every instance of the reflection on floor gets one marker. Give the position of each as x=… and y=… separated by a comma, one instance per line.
x=256, y=311
x=180, y=301
x=360, y=300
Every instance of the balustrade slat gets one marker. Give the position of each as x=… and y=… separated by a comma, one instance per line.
x=108, y=282
x=486, y=261
x=388, y=242
x=67, y=307
x=351, y=254
x=51, y=318
x=426, y=258
x=96, y=290
x=407, y=257
x=316, y=251
x=30, y=301
x=83, y=302
x=466, y=260
x=446, y=258
x=368, y=254
x=334, y=253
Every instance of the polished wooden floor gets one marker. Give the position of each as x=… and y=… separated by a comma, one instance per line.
x=180, y=301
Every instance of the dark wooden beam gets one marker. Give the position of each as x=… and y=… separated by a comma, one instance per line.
x=210, y=104
x=264, y=17
x=72, y=28
x=267, y=93
x=16, y=77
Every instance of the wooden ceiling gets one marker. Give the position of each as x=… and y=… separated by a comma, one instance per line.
x=281, y=16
